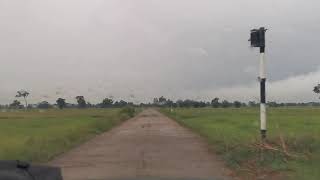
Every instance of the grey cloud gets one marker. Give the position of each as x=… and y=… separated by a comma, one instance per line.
x=149, y=48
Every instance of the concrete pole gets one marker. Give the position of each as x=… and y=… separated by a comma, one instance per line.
x=263, y=108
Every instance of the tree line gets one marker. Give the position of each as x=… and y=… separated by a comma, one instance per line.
x=217, y=103
x=61, y=103
x=157, y=102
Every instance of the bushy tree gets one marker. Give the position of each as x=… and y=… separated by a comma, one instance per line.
x=107, y=102
x=81, y=102
x=252, y=104
x=225, y=104
x=61, y=103
x=162, y=100
x=316, y=89
x=273, y=104
x=44, y=105
x=169, y=103
x=237, y=104
x=16, y=105
x=215, y=102
x=120, y=103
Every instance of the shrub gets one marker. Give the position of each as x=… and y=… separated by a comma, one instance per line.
x=130, y=111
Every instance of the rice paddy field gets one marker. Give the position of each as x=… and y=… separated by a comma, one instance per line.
x=39, y=135
x=291, y=151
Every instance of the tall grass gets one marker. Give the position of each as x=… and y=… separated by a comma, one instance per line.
x=233, y=134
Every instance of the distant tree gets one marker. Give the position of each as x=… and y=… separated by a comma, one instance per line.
x=237, y=104
x=169, y=103
x=179, y=103
x=187, y=103
x=155, y=101
x=225, y=104
x=130, y=104
x=107, y=102
x=316, y=89
x=215, y=102
x=71, y=105
x=122, y=103
x=30, y=106
x=44, y=105
x=273, y=104
x=24, y=94
x=89, y=105
x=81, y=102
x=195, y=104
x=252, y=104
x=16, y=105
x=162, y=100
x=208, y=104
x=201, y=104
x=61, y=103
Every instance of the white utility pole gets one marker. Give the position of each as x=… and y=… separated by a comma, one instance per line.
x=257, y=38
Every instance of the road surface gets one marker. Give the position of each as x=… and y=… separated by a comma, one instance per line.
x=149, y=145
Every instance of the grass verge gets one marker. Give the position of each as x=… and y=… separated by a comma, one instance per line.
x=292, y=150
x=39, y=135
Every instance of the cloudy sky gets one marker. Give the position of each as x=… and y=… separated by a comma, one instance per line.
x=138, y=49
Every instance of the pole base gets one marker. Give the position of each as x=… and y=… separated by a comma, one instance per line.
x=263, y=134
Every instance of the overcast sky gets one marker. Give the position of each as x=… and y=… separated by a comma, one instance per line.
x=138, y=49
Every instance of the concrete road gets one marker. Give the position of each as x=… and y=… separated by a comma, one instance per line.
x=149, y=146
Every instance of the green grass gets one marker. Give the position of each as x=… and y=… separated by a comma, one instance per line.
x=231, y=132
x=39, y=135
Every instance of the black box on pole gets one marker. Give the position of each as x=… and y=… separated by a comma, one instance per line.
x=257, y=37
